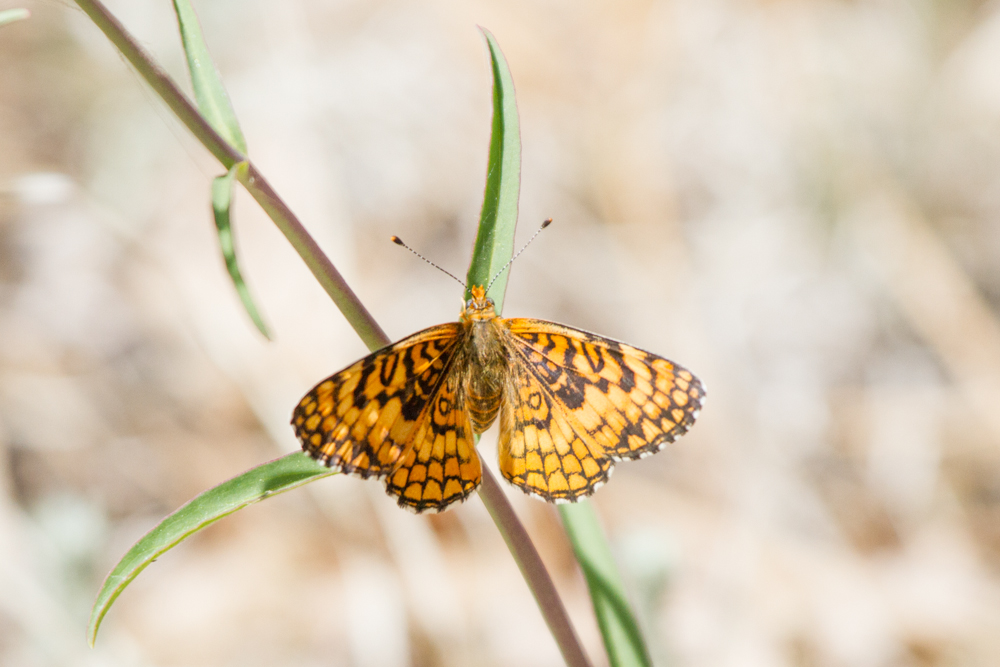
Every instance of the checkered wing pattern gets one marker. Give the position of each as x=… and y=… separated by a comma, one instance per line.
x=396, y=415
x=576, y=402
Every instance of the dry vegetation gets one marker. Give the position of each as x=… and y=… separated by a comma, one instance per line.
x=797, y=199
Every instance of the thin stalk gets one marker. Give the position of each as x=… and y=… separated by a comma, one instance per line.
x=532, y=569
x=255, y=183
x=319, y=264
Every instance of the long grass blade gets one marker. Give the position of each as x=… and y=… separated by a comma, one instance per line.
x=209, y=93
x=498, y=218
x=493, y=250
x=215, y=107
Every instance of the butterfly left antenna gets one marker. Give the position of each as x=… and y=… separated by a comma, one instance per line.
x=399, y=241
x=518, y=254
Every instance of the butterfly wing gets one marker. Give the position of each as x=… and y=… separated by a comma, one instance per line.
x=542, y=451
x=578, y=402
x=439, y=465
x=385, y=416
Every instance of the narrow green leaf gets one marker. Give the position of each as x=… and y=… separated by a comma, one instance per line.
x=209, y=93
x=495, y=240
x=266, y=480
x=222, y=200
x=623, y=638
x=214, y=106
x=11, y=15
x=494, y=248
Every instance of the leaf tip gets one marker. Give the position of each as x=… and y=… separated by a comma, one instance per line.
x=95, y=623
x=264, y=331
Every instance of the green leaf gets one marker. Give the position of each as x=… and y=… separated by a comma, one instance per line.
x=266, y=480
x=493, y=250
x=222, y=200
x=214, y=106
x=623, y=638
x=498, y=218
x=209, y=93
x=11, y=15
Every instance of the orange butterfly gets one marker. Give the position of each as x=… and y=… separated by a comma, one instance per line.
x=571, y=404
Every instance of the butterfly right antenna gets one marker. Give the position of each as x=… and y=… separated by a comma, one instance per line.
x=518, y=254
x=399, y=241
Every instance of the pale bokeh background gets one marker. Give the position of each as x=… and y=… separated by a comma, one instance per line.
x=797, y=199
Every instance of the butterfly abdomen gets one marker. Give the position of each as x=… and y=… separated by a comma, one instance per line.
x=483, y=409
x=485, y=372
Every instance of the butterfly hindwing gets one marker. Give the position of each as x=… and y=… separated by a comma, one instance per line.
x=622, y=402
x=541, y=450
x=440, y=465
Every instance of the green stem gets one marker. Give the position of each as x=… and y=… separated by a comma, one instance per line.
x=322, y=268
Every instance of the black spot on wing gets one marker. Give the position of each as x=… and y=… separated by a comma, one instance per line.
x=443, y=407
x=360, y=398
x=627, y=383
x=571, y=390
x=389, y=364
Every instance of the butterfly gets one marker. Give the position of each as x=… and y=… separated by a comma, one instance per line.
x=570, y=404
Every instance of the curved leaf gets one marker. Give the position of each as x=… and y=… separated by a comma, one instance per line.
x=255, y=485
x=222, y=201
x=217, y=110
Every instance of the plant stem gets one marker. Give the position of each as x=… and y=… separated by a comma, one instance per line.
x=255, y=183
x=532, y=569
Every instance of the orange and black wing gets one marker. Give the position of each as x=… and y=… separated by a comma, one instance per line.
x=578, y=402
x=542, y=450
x=384, y=417
x=439, y=465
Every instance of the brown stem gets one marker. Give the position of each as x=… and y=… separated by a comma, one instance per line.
x=320, y=265
x=532, y=569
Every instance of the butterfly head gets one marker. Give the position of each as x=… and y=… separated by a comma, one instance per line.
x=480, y=307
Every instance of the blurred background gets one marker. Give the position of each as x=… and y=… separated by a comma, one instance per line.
x=797, y=199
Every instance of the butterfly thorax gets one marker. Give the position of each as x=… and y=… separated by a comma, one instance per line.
x=486, y=367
